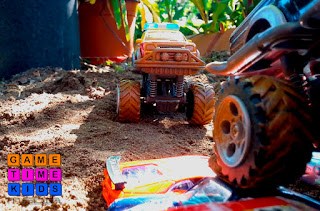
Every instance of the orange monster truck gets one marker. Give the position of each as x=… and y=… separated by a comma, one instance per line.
x=163, y=56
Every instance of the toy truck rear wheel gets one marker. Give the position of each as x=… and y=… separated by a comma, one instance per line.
x=200, y=104
x=261, y=133
x=128, y=101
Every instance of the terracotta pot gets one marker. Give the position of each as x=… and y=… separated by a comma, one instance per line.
x=100, y=40
x=206, y=43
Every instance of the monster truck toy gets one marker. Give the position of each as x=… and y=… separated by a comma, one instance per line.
x=163, y=57
x=267, y=113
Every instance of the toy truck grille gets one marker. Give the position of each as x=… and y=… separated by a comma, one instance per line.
x=170, y=46
x=170, y=61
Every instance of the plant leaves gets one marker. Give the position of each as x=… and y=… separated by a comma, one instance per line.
x=179, y=12
x=246, y=8
x=218, y=8
x=154, y=9
x=168, y=8
x=117, y=13
x=143, y=14
x=125, y=19
x=201, y=7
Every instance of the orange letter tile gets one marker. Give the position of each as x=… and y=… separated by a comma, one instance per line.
x=40, y=160
x=27, y=160
x=54, y=160
x=13, y=160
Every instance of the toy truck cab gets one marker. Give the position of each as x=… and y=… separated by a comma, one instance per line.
x=163, y=49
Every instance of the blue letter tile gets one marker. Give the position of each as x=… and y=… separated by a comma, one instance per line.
x=27, y=189
x=14, y=189
x=41, y=189
x=55, y=189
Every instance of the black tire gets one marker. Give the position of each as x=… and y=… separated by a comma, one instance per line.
x=262, y=137
x=200, y=104
x=128, y=101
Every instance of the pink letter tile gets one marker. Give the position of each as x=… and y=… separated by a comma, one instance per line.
x=27, y=175
x=42, y=174
x=14, y=174
x=55, y=174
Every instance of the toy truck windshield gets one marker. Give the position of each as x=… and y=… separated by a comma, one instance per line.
x=157, y=35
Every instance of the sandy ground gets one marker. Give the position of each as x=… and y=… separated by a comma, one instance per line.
x=73, y=114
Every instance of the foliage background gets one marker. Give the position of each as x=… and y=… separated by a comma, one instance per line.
x=195, y=16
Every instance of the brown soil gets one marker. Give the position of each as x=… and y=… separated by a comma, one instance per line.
x=72, y=113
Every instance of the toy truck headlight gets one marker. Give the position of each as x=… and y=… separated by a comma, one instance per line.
x=149, y=47
x=165, y=56
x=190, y=47
x=180, y=56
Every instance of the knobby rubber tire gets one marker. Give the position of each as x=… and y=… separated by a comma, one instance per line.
x=128, y=101
x=200, y=104
x=280, y=136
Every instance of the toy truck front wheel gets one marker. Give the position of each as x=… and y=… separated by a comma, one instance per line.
x=261, y=133
x=128, y=101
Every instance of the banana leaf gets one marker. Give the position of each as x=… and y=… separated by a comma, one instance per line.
x=143, y=14
x=201, y=6
x=154, y=9
x=179, y=12
x=120, y=15
x=125, y=19
x=218, y=9
x=117, y=13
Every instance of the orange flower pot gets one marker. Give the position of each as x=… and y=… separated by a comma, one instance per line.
x=206, y=43
x=100, y=40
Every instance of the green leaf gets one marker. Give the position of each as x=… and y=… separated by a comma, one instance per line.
x=233, y=4
x=255, y=2
x=119, y=69
x=201, y=7
x=207, y=27
x=187, y=28
x=182, y=10
x=245, y=3
x=125, y=19
x=217, y=10
x=117, y=13
x=168, y=4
